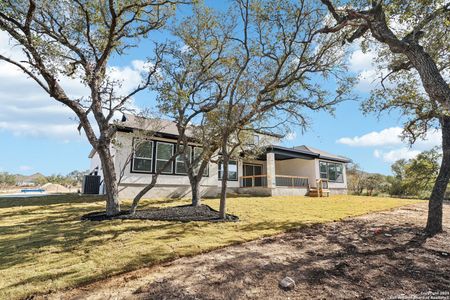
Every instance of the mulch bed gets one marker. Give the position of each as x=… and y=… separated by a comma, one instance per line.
x=184, y=213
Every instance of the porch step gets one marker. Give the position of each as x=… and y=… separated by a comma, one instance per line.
x=314, y=192
x=325, y=193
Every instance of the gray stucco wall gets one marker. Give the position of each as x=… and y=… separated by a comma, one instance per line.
x=128, y=191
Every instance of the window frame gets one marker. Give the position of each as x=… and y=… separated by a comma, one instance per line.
x=156, y=158
x=335, y=165
x=206, y=171
x=337, y=172
x=220, y=172
x=154, y=143
x=133, y=170
x=256, y=139
x=179, y=157
x=253, y=165
x=320, y=170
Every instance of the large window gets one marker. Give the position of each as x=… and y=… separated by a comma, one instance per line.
x=180, y=165
x=164, y=152
x=339, y=173
x=143, y=156
x=331, y=171
x=151, y=156
x=232, y=170
x=197, y=153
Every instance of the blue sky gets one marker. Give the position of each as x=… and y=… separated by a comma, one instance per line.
x=39, y=135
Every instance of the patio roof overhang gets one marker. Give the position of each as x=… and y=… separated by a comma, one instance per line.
x=283, y=153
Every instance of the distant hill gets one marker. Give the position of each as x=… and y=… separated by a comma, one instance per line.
x=21, y=179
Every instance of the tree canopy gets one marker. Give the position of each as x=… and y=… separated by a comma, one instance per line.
x=412, y=41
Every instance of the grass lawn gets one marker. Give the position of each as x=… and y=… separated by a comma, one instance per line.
x=44, y=246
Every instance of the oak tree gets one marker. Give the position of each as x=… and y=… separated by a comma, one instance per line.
x=412, y=40
x=77, y=39
x=255, y=64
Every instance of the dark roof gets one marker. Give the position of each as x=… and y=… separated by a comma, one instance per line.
x=324, y=154
x=305, y=152
x=130, y=121
x=166, y=127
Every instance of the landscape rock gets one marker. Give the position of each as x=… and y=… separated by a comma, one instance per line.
x=377, y=230
x=287, y=283
x=159, y=280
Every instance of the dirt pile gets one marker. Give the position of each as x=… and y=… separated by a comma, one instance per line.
x=55, y=188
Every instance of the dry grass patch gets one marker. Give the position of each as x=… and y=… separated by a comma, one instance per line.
x=45, y=247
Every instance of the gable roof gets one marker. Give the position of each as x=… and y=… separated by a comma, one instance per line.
x=169, y=129
x=130, y=121
x=324, y=154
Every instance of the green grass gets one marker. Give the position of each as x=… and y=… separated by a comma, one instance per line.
x=44, y=246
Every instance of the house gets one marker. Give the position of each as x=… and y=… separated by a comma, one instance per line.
x=278, y=170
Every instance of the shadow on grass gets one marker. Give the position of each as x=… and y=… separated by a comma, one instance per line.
x=20, y=243
x=41, y=278
x=49, y=200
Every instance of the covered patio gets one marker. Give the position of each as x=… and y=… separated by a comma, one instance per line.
x=281, y=171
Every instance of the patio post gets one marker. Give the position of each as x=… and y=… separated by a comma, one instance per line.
x=270, y=161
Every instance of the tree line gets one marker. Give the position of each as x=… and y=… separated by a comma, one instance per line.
x=413, y=177
x=72, y=179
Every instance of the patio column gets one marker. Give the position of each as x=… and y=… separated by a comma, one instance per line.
x=270, y=162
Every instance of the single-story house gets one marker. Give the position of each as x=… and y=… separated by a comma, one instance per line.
x=276, y=171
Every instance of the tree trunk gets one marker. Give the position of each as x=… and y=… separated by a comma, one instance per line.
x=151, y=185
x=195, y=177
x=141, y=194
x=432, y=80
x=110, y=180
x=439, y=91
x=195, y=187
x=223, y=190
x=434, y=222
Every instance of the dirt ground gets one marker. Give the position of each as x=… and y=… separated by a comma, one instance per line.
x=377, y=256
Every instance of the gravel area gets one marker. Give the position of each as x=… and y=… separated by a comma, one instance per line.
x=184, y=213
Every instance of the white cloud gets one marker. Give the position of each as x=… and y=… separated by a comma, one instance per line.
x=362, y=64
x=28, y=111
x=433, y=139
x=129, y=76
x=394, y=155
x=385, y=137
x=377, y=153
x=50, y=130
x=185, y=48
x=25, y=168
x=389, y=145
x=391, y=137
x=360, y=61
x=290, y=136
